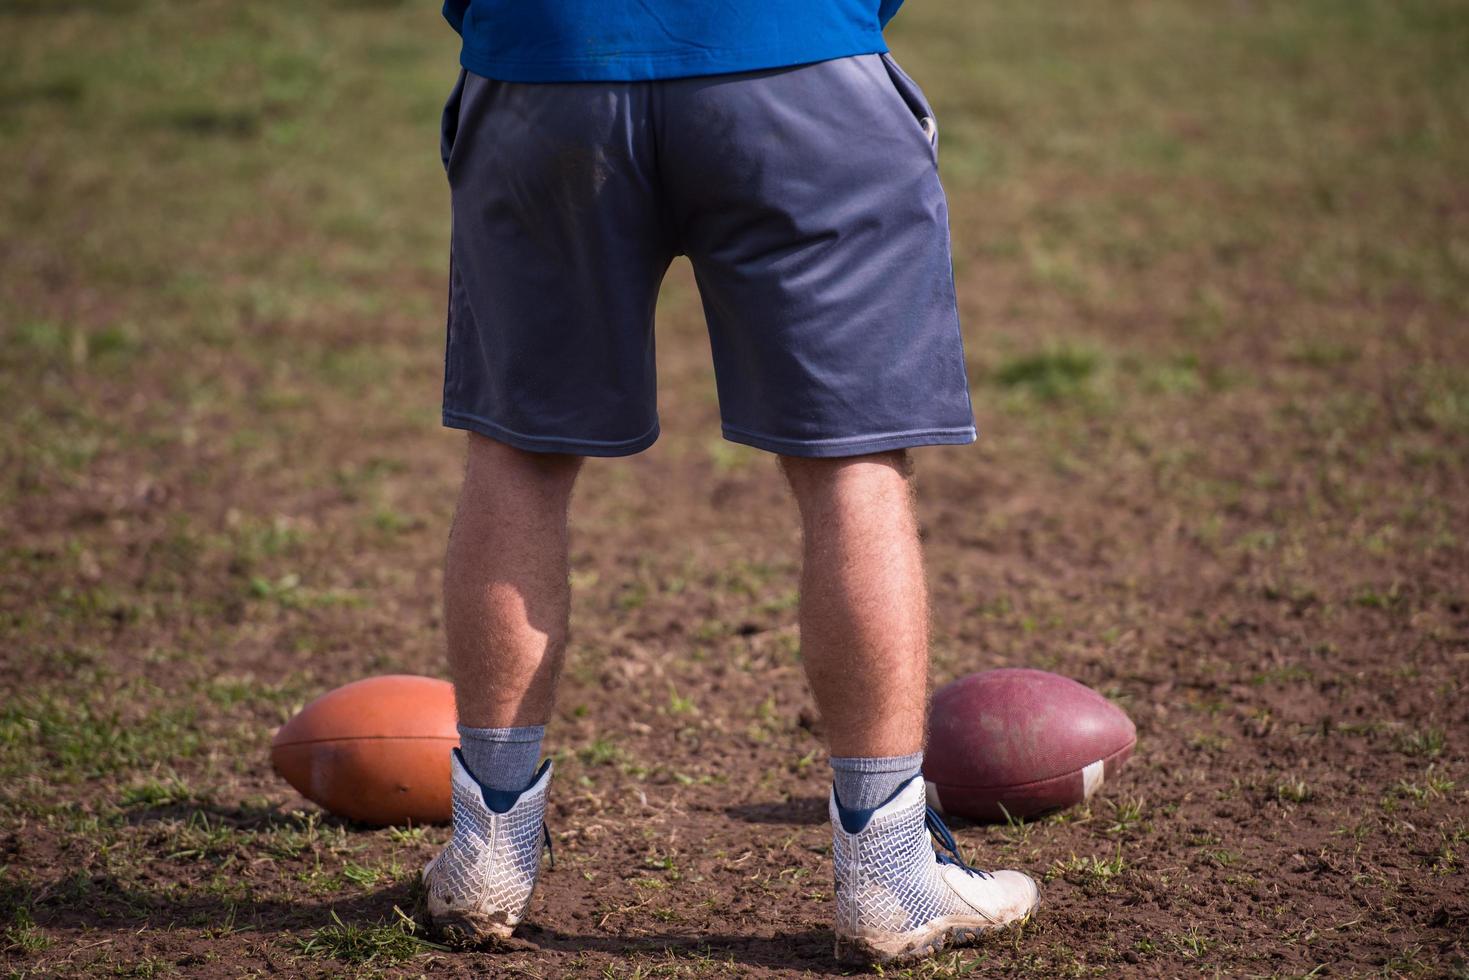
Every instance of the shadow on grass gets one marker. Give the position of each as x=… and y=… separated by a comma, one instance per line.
x=101, y=903
x=809, y=950
x=802, y=810
x=243, y=817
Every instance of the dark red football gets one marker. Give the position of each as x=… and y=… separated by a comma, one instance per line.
x=1021, y=742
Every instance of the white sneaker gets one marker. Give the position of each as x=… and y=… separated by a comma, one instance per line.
x=479, y=886
x=898, y=899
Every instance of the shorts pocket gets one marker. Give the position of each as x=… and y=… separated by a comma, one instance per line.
x=449, y=120
x=913, y=97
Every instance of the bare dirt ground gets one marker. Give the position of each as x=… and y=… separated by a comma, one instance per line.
x=1215, y=277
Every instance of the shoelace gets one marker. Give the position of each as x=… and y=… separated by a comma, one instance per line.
x=546, y=835
x=940, y=830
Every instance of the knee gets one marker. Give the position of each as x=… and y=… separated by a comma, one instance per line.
x=491, y=460
x=807, y=475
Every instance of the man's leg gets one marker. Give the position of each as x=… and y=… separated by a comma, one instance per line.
x=864, y=640
x=864, y=602
x=506, y=602
x=506, y=596
x=549, y=344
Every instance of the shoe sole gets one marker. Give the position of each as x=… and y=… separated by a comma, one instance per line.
x=471, y=930
x=857, y=951
x=463, y=928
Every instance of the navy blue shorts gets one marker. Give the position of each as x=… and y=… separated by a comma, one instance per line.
x=808, y=202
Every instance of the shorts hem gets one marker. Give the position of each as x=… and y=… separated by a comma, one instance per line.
x=853, y=445
x=549, y=444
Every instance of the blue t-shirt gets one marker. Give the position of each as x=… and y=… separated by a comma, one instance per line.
x=633, y=40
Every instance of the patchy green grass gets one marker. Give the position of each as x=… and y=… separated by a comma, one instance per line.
x=84, y=736
x=1088, y=870
x=1427, y=742
x=22, y=934
x=1051, y=375
x=385, y=942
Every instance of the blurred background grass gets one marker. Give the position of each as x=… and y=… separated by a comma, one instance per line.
x=223, y=188
x=219, y=181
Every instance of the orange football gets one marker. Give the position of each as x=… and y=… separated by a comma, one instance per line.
x=375, y=751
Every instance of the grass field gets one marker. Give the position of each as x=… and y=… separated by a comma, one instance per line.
x=1213, y=261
